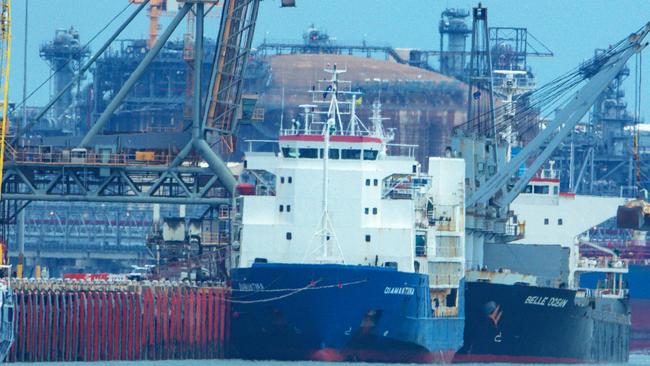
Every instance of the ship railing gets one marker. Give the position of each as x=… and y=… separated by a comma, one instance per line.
x=448, y=251
x=606, y=292
x=84, y=157
x=446, y=225
x=215, y=239
x=445, y=312
x=112, y=283
x=601, y=262
x=316, y=128
x=444, y=280
x=162, y=129
x=397, y=191
x=516, y=230
x=611, y=287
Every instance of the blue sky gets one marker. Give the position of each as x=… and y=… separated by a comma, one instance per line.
x=571, y=29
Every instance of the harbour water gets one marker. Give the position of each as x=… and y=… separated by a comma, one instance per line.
x=635, y=360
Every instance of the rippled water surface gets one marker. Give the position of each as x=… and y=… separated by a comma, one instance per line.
x=636, y=359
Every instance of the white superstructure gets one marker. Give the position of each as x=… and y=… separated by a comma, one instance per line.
x=551, y=217
x=554, y=217
x=334, y=192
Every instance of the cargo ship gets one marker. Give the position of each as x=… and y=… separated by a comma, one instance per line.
x=637, y=282
x=528, y=303
x=632, y=247
x=345, y=248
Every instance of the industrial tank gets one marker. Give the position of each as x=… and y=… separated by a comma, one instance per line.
x=423, y=106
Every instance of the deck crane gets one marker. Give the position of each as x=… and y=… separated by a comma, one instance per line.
x=491, y=192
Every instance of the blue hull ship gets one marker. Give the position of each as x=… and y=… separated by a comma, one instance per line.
x=338, y=313
x=342, y=250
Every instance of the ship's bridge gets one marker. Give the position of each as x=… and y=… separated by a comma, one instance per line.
x=543, y=187
x=343, y=147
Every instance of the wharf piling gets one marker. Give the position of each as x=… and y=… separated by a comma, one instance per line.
x=61, y=320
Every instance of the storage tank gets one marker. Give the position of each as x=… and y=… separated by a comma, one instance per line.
x=423, y=106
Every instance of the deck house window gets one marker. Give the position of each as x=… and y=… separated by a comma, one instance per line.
x=370, y=154
x=289, y=152
x=308, y=153
x=540, y=189
x=351, y=154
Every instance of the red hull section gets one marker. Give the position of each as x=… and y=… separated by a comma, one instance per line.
x=388, y=356
x=91, y=321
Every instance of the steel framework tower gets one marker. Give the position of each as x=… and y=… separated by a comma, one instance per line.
x=480, y=101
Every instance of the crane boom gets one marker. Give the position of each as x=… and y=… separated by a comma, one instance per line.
x=226, y=81
x=543, y=145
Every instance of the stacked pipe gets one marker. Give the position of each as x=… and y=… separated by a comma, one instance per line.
x=93, y=321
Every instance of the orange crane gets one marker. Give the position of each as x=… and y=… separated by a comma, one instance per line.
x=156, y=9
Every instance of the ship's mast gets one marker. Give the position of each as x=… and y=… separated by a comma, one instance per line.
x=509, y=90
x=325, y=228
x=325, y=220
x=378, y=126
x=333, y=88
x=353, y=115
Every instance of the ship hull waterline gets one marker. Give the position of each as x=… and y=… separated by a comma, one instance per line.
x=338, y=313
x=520, y=323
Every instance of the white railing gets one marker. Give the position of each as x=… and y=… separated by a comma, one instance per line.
x=444, y=280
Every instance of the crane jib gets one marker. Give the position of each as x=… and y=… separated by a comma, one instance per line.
x=564, y=122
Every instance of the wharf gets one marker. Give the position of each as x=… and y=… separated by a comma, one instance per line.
x=63, y=320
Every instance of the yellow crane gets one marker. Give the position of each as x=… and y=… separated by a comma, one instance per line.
x=5, y=55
